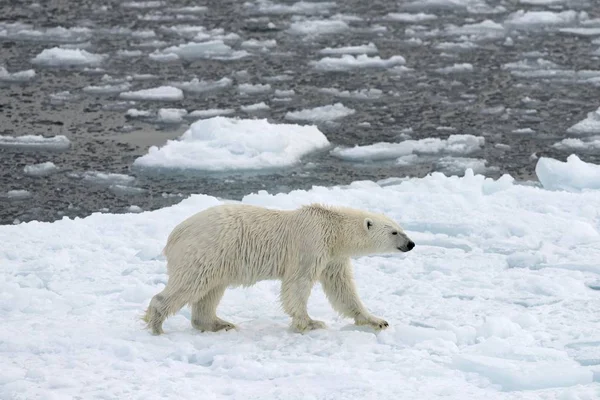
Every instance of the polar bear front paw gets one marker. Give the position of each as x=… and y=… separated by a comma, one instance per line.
x=308, y=325
x=372, y=321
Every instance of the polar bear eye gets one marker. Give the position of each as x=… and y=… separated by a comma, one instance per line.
x=394, y=232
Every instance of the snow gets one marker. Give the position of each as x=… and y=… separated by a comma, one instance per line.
x=572, y=175
x=20, y=76
x=39, y=142
x=320, y=114
x=591, y=124
x=59, y=57
x=255, y=107
x=364, y=94
x=212, y=112
x=41, y=169
x=161, y=93
x=213, y=49
x=348, y=62
x=198, y=86
x=223, y=144
x=407, y=17
x=493, y=303
x=317, y=27
x=369, y=48
x=455, y=144
x=171, y=115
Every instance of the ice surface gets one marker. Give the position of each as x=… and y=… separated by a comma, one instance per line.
x=20, y=76
x=589, y=125
x=42, y=169
x=59, y=57
x=455, y=68
x=455, y=144
x=59, y=142
x=572, y=143
x=532, y=19
x=212, y=112
x=161, y=93
x=255, y=107
x=348, y=62
x=572, y=175
x=171, y=115
x=369, y=48
x=198, y=86
x=300, y=7
x=463, y=325
x=222, y=144
x=407, y=17
x=364, y=94
x=320, y=114
x=318, y=27
x=213, y=49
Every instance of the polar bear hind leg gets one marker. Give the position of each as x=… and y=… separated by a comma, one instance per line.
x=204, y=312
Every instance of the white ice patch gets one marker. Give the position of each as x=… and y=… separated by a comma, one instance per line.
x=535, y=19
x=213, y=112
x=213, y=49
x=458, y=165
x=106, y=178
x=58, y=57
x=589, y=125
x=349, y=62
x=484, y=30
x=362, y=94
x=455, y=144
x=369, y=48
x=407, y=17
x=578, y=144
x=259, y=44
x=248, y=88
x=59, y=34
x=255, y=107
x=42, y=169
x=142, y=5
x=129, y=53
x=320, y=114
x=135, y=113
x=19, y=76
x=198, y=86
x=224, y=144
x=572, y=175
x=581, y=31
x=301, y=7
x=455, y=68
x=318, y=27
x=107, y=89
x=59, y=142
x=18, y=194
x=161, y=93
x=171, y=115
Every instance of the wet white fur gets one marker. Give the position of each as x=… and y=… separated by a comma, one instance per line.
x=234, y=244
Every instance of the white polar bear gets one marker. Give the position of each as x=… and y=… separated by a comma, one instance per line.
x=239, y=245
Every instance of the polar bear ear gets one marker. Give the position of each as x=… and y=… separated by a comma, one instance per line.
x=368, y=223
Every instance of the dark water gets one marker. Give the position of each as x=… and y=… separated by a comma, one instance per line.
x=487, y=101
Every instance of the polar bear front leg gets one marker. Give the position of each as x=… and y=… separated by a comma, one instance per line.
x=338, y=284
x=294, y=296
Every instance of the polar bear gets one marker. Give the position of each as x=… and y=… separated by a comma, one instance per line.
x=239, y=245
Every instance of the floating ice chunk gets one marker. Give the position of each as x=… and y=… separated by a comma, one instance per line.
x=18, y=194
x=134, y=209
x=587, y=126
x=59, y=142
x=581, y=31
x=19, y=31
x=318, y=27
x=369, y=48
x=259, y=44
x=284, y=93
x=198, y=86
x=255, y=107
x=573, y=175
x=213, y=112
x=163, y=57
x=214, y=49
x=407, y=17
x=248, y=88
x=42, y=169
x=129, y=53
x=62, y=97
x=487, y=29
x=458, y=165
x=455, y=68
x=135, y=113
x=106, y=179
x=364, y=94
x=348, y=62
x=533, y=19
x=142, y=4
x=161, y=93
x=171, y=115
x=455, y=46
x=542, y=2
x=455, y=144
x=57, y=57
x=320, y=114
x=188, y=10
x=125, y=190
x=578, y=144
x=300, y=7
x=222, y=144
x=20, y=76
x=107, y=89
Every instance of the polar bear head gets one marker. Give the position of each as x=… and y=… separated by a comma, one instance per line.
x=385, y=235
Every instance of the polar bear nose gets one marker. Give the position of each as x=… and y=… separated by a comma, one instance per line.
x=410, y=245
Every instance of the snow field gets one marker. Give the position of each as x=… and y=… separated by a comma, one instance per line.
x=494, y=303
